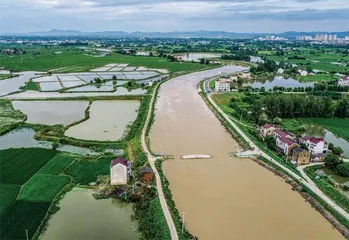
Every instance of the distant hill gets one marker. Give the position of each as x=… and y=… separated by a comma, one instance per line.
x=200, y=33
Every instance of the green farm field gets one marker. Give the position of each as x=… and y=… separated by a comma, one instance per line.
x=73, y=59
x=25, y=195
x=85, y=171
x=43, y=187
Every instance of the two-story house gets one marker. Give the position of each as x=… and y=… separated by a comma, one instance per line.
x=285, y=145
x=314, y=145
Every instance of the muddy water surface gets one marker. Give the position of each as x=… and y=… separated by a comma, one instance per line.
x=224, y=197
x=108, y=120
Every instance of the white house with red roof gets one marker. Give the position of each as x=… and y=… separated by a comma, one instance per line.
x=315, y=145
x=119, y=171
x=344, y=81
x=266, y=130
x=285, y=144
x=278, y=133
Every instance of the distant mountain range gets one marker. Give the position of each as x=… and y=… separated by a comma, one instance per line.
x=201, y=33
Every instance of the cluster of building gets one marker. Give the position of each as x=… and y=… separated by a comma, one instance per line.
x=327, y=38
x=224, y=84
x=272, y=38
x=301, y=150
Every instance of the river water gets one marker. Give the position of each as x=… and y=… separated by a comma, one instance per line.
x=224, y=197
x=83, y=217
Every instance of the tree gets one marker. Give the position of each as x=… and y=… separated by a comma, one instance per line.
x=337, y=151
x=98, y=80
x=114, y=77
x=202, y=60
x=342, y=169
x=332, y=161
x=270, y=142
x=309, y=69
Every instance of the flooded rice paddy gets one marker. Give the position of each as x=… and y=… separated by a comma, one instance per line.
x=120, y=91
x=13, y=84
x=24, y=138
x=224, y=197
x=196, y=56
x=83, y=217
x=52, y=112
x=108, y=121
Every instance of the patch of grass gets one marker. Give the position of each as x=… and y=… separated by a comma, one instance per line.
x=43, y=187
x=18, y=165
x=319, y=78
x=339, y=126
x=86, y=170
x=8, y=195
x=57, y=164
x=9, y=117
x=21, y=216
x=4, y=76
x=31, y=86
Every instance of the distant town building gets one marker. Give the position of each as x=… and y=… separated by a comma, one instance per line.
x=300, y=156
x=119, y=171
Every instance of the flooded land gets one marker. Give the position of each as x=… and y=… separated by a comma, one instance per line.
x=52, y=112
x=108, y=120
x=83, y=217
x=224, y=197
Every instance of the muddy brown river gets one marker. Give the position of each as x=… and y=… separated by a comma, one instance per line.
x=224, y=197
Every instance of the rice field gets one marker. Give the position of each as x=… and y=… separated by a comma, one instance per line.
x=52, y=112
x=104, y=124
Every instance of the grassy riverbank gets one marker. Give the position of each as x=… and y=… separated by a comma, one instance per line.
x=326, y=187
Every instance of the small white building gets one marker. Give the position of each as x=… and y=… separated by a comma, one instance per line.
x=222, y=85
x=119, y=171
x=303, y=72
x=344, y=81
x=280, y=71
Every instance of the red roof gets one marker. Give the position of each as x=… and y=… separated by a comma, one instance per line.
x=268, y=126
x=120, y=160
x=280, y=132
x=286, y=140
x=306, y=138
x=316, y=140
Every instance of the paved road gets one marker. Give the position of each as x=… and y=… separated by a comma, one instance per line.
x=310, y=184
x=151, y=159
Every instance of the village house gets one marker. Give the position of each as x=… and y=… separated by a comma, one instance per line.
x=223, y=85
x=319, y=157
x=146, y=174
x=119, y=171
x=245, y=75
x=266, y=130
x=285, y=145
x=303, y=72
x=300, y=156
x=344, y=81
x=314, y=145
x=278, y=133
x=280, y=71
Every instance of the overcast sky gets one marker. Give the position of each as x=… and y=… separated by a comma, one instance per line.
x=174, y=15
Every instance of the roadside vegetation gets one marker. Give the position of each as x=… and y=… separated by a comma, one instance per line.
x=9, y=117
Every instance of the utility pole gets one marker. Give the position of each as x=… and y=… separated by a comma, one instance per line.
x=26, y=234
x=183, y=221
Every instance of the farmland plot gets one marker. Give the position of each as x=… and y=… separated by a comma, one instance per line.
x=8, y=194
x=43, y=187
x=8, y=115
x=57, y=164
x=18, y=165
